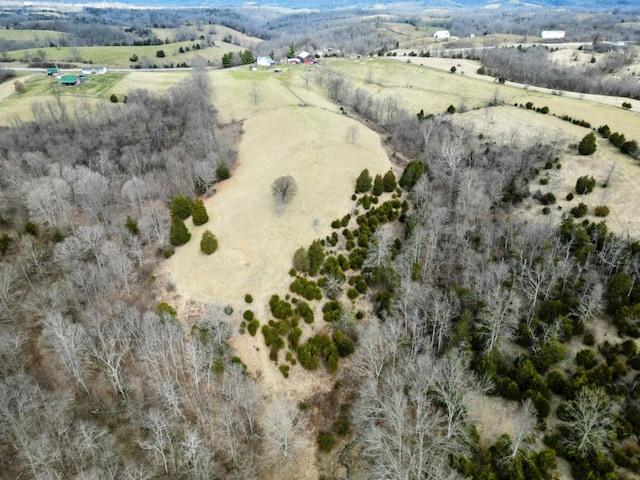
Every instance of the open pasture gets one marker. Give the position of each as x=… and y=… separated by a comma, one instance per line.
x=414, y=86
x=119, y=57
x=256, y=243
x=40, y=38
x=427, y=83
x=156, y=82
x=41, y=89
x=265, y=90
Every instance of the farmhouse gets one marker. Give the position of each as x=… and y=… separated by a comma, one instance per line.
x=91, y=70
x=265, y=62
x=69, y=80
x=442, y=34
x=303, y=55
x=552, y=34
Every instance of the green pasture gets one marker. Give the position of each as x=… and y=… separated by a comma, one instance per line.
x=418, y=88
x=42, y=89
x=31, y=35
x=119, y=57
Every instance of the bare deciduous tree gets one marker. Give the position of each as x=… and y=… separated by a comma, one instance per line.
x=70, y=343
x=283, y=190
x=589, y=418
x=284, y=430
x=523, y=436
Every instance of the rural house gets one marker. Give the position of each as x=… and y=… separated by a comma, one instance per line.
x=69, y=80
x=442, y=34
x=91, y=70
x=552, y=34
x=265, y=62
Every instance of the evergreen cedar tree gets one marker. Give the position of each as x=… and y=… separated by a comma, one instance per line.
x=179, y=235
x=208, y=243
x=199, y=213
x=364, y=182
x=181, y=207
x=389, y=181
x=378, y=186
x=412, y=174
x=585, y=185
x=588, y=145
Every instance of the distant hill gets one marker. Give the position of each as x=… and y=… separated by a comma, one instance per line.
x=330, y=4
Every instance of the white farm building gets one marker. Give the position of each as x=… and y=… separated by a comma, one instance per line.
x=552, y=34
x=265, y=62
x=442, y=34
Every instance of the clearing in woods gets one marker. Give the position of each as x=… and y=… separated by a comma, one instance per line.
x=256, y=245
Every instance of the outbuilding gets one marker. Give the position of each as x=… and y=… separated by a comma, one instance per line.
x=69, y=80
x=53, y=72
x=442, y=34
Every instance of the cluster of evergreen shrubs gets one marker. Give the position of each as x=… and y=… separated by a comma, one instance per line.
x=575, y=121
x=630, y=147
x=182, y=208
x=336, y=262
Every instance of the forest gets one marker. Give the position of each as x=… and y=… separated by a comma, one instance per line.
x=437, y=290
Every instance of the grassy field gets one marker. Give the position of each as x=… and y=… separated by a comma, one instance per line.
x=119, y=57
x=38, y=37
x=42, y=89
x=257, y=244
x=264, y=91
x=507, y=124
x=157, y=82
x=434, y=89
x=415, y=87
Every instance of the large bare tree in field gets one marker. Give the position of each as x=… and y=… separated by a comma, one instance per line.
x=283, y=190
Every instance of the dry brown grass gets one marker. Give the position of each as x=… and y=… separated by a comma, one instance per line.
x=484, y=412
x=157, y=82
x=523, y=127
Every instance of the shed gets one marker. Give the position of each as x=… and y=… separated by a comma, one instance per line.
x=69, y=80
x=442, y=34
x=52, y=72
